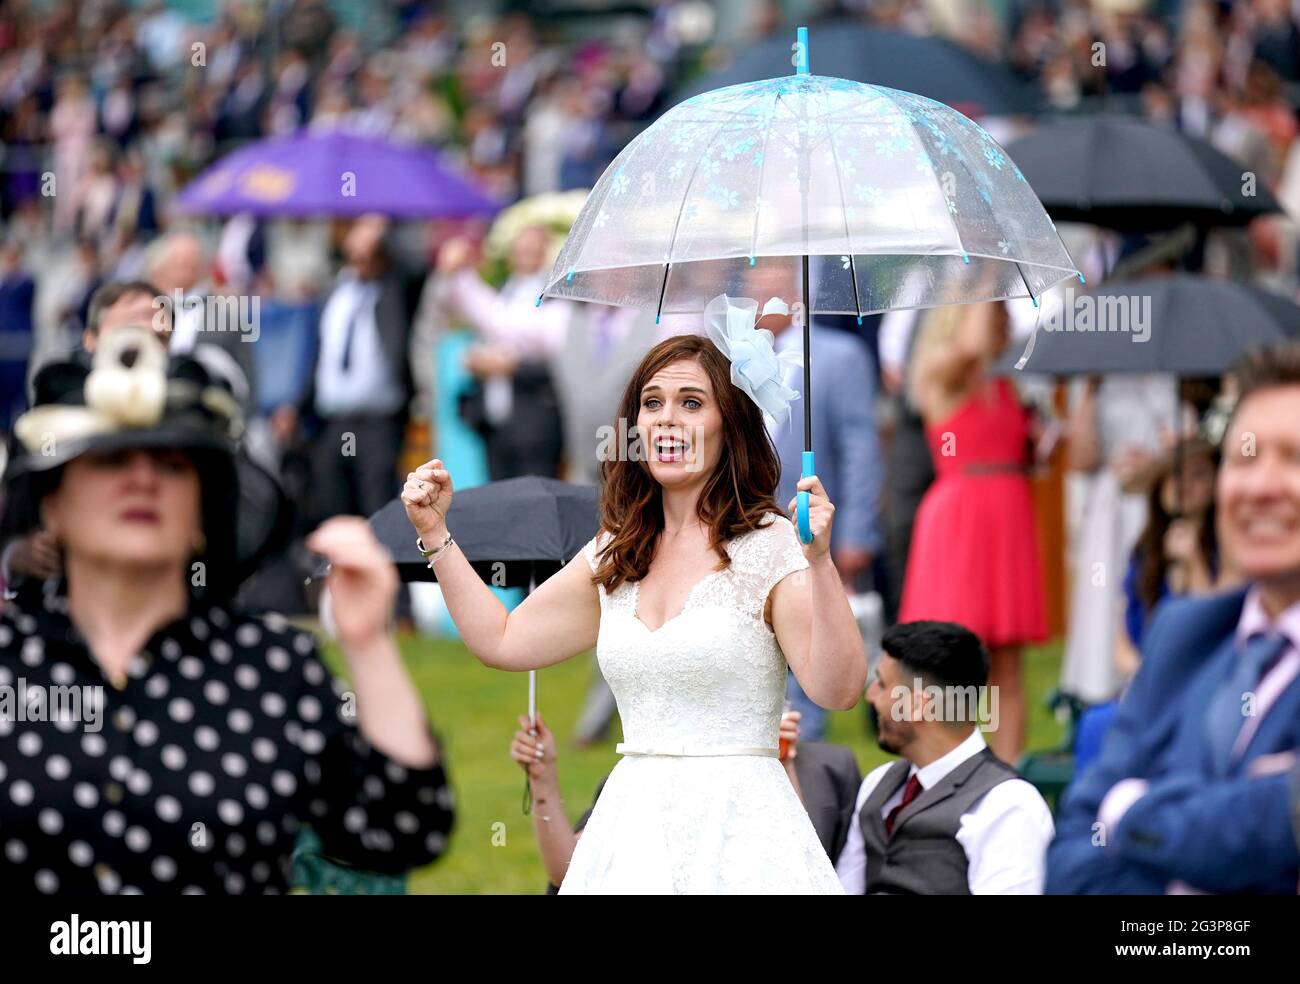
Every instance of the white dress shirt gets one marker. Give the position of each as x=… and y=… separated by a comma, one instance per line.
x=895, y=339
x=1005, y=832
x=1254, y=619
x=188, y=320
x=366, y=386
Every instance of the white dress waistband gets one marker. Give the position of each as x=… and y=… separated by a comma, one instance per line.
x=623, y=748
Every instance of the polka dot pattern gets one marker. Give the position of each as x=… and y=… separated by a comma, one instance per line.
x=197, y=775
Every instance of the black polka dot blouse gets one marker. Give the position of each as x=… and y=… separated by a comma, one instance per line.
x=226, y=736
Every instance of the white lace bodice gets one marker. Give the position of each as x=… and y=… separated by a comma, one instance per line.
x=714, y=674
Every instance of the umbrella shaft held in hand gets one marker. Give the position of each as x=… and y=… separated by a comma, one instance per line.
x=807, y=360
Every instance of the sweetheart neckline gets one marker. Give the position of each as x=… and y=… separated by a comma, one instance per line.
x=686, y=605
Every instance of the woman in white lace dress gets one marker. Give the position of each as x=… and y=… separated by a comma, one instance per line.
x=697, y=595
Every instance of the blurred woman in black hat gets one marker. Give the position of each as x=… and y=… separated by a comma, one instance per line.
x=156, y=738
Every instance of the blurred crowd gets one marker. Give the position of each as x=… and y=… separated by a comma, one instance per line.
x=107, y=109
x=405, y=338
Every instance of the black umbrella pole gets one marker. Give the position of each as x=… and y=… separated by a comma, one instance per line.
x=807, y=361
x=801, y=512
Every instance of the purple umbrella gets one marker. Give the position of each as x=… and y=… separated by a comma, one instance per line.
x=334, y=173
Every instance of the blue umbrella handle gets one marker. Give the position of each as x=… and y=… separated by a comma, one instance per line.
x=805, y=527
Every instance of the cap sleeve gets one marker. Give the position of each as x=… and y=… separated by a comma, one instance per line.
x=593, y=548
x=779, y=553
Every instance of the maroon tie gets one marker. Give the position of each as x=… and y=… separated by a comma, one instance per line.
x=910, y=792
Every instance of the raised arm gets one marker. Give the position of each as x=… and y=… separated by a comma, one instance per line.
x=812, y=620
x=558, y=620
x=1081, y=428
x=536, y=332
x=536, y=750
x=361, y=589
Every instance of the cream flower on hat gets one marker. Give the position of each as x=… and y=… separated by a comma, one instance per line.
x=126, y=387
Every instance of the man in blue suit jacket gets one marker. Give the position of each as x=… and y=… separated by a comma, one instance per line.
x=848, y=455
x=1192, y=790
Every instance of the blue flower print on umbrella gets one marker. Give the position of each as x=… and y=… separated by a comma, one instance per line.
x=854, y=198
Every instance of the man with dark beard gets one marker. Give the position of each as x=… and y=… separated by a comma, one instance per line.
x=948, y=818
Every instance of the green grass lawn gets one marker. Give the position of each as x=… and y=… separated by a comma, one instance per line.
x=475, y=711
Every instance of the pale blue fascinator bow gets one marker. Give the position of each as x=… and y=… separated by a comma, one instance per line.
x=756, y=367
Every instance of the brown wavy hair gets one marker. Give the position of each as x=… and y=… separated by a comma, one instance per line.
x=1153, y=563
x=736, y=496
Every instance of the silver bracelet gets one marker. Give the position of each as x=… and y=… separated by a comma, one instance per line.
x=432, y=555
x=437, y=554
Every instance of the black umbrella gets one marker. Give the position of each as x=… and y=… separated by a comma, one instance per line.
x=1126, y=174
x=1180, y=324
x=929, y=66
x=515, y=532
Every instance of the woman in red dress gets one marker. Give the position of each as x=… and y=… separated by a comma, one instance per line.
x=974, y=555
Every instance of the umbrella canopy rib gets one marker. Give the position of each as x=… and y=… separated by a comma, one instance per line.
x=1025, y=280
x=844, y=213
x=853, y=277
x=762, y=169
x=677, y=221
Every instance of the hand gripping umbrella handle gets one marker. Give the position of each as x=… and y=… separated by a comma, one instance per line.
x=805, y=527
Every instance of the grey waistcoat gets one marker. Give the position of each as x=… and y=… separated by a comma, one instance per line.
x=923, y=856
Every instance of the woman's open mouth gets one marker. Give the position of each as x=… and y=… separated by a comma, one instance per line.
x=670, y=449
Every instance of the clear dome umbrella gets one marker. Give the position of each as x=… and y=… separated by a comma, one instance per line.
x=853, y=198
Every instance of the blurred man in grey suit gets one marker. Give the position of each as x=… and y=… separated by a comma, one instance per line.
x=845, y=439
x=828, y=780
x=602, y=348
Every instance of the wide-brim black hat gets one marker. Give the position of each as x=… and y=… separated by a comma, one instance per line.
x=129, y=395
